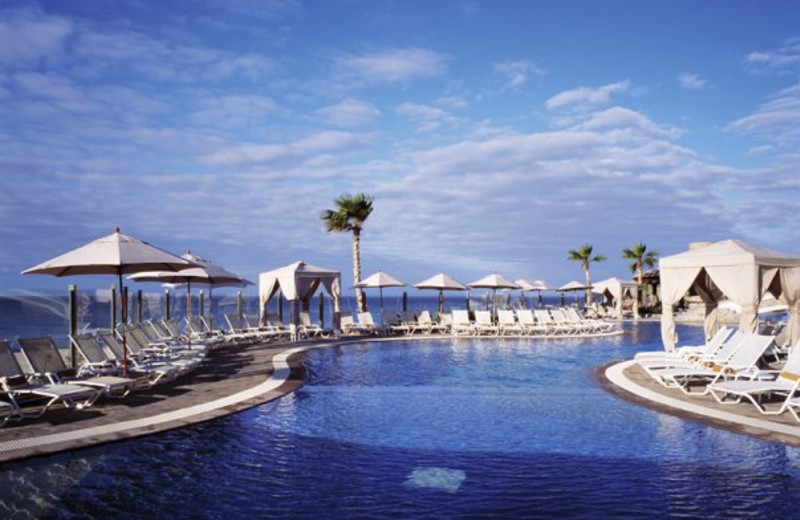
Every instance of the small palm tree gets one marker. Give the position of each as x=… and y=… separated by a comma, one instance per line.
x=641, y=258
x=583, y=255
x=349, y=216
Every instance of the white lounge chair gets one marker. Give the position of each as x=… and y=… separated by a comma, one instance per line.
x=684, y=352
x=507, y=323
x=762, y=385
x=483, y=323
x=461, y=323
x=742, y=363
x=719, y=356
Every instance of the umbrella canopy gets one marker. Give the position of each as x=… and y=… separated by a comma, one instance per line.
x=573, y=286
x=116, y=254
x=524, y=285
x=113, y=254
x=379, y=280
x=493, y=281
x=205, y=273
x=441, y=282
x=541, y=285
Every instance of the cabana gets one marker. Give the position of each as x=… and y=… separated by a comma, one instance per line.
x=298, y=282
x=617, y=290
x=741, y=272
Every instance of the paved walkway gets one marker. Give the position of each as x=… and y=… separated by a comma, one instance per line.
x=231, y=379
x=632, y=383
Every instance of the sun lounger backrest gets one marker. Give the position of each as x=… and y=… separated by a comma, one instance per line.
x=716, y=341
x=483, y=317
x=525, y=316
x=791, y=370
x=460, y=317
x=113, y=344
x=729, y=347
x=424, y=318
x=346, y=320
x=42, y=354
x=750, y=350
x=9, y=366
x=89, y=348
x=365, y=319
x=506, y=317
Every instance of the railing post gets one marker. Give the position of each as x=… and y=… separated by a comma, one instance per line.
x=73, y=323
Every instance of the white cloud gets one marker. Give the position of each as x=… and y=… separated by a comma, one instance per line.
x=518, y=72
x=349, y=112
x=782, y=59
x=430, y=117
x=28, y=35
x=586, y=95
x=776, y=121
x=394, y=66
x=692, y=81
x=321, y=142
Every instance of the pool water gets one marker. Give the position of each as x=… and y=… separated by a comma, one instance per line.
x=446, y=428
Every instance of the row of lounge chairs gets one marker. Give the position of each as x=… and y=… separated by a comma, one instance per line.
x=541, y=322
x=733, y=367
x=157, y=352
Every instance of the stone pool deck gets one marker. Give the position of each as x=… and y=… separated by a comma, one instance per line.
x=232, y=378
x=630, y=382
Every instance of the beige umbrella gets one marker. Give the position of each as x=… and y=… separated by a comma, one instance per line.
x=205, y=273
x=539, y=286
x=493, y=281
x=570, y=287
x=115, y=254
x=378, y=281
x=441, y=282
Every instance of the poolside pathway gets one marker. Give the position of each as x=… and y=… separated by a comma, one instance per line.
x=231, y=379
x=627, y=380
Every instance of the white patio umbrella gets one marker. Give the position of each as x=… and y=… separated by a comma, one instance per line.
x=570, y=287
x=204, y=272
x=378, y=281
x=524, y=286
x=539, y=286
x=441, y=282
x=115, y=254
x=493, y=281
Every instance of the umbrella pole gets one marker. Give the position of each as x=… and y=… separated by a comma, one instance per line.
x=441, y=302
x=189, y=313
x=123, y=316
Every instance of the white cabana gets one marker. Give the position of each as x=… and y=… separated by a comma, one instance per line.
x=741, y=272
x=617, y=289
x=298, y=282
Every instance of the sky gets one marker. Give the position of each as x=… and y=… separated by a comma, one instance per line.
x=494, y=135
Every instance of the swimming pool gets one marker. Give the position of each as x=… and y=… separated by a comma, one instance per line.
x=446, y=428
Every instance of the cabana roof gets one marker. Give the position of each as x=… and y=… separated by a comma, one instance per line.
x=729, y=253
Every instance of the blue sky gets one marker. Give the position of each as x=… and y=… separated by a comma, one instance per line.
x=494, y=135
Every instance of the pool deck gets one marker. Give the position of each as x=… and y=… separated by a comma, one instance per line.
x=630, y=382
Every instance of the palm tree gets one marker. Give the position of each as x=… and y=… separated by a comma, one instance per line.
x=640, y=257
x=350, y=213
x=584, y=255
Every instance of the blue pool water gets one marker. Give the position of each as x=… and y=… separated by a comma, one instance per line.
x=446, y=428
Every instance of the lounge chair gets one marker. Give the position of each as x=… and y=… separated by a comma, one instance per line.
x=719, y=356
x=742, y=363
x=483, y=323
x=545, y=322
x=310, y=330
x=684, y=352
x=350, y=327
x=18, y=389
x=240, y=328
x=426, y=325
x=155, y=371
x=393, y=323
x=461, y=323
x=44, y=358
x=507, y=323
x=763, y=385
x=528, y=322
x=366, y=322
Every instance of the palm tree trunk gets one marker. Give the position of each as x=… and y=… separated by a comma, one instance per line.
x=360, y=304
x=638, y=291
x=588, y=283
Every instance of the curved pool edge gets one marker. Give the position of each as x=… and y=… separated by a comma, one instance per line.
x=286, y=376
x=613, y=379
